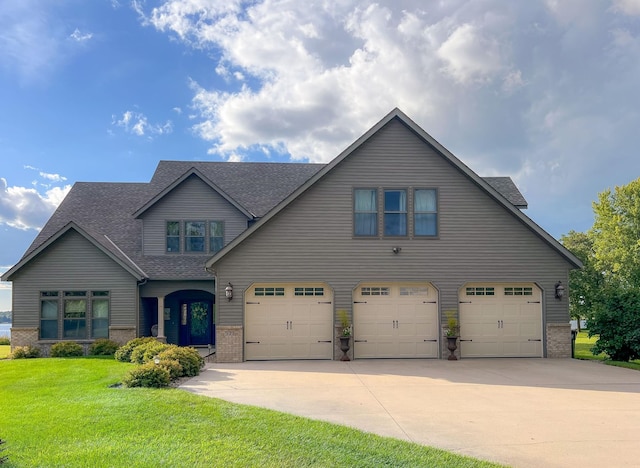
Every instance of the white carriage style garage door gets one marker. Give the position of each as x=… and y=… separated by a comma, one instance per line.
x=500, y=320
x=288, y=321
x=395, y=320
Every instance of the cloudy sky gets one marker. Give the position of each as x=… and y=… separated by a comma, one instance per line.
x=546, y=92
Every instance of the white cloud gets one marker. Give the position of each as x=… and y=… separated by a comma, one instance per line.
x=628, y=7
x=138, y=124
x=76, y=35
x=537, y=90
x=45, y=175
x=26, y=208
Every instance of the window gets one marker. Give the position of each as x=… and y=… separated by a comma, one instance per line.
x=395, y=212
x=414, y=291
x=365, y=212
x=194, y=236
x=374, y=291
x=216, y=235
x=269, y=291
x=49, y=315
x=480, y=291
x=425, y=212
x=100, y=314
x=75, y=315
x=405, y=212
x=173, y=236
x=518, y=291
x=78, y=311
x=308, y=292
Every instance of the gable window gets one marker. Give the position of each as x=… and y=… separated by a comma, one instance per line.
x=173, y=236
x=75, y=315
x=194, y=236
x=216, y=235
x=49, y=315
x=395, y=212
x=425, y=212
x=365, y=212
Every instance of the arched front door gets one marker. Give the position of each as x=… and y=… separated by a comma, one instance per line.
x=196, y=322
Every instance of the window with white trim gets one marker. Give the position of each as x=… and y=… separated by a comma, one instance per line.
x=480, y=291
x=518, y=291
x=308, y=291
x=268, y=291
x=374, y=291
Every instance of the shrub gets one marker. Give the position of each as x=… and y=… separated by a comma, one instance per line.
x=66, y=349
x=147, y=351
x=103, y=347
x=4, y=341
x=123, y=353
x=189, y=359
x=25, y=352
x=147, y=375
x=616, y=321
x=175, y=369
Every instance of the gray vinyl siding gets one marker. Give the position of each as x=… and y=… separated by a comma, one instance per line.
x=73, y=263
x=312, y=239
x=193, y=200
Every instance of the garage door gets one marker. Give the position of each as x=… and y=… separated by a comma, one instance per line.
x=395, y=320
x=288, y=321
x=500, y=320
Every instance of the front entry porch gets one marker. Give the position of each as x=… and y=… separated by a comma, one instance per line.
x=185, y=318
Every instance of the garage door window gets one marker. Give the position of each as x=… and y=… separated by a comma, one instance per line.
x=374, y=291
x=269, y=291
x=518, y=291
x=414, y=291
x=480, y=291
x=308, y=292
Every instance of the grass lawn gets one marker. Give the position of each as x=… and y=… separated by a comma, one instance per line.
x=63, y=412
x=583, y=351
x=4, y=351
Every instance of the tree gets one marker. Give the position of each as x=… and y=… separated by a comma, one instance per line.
x=616, y=235
x=585, y=284
x=616, y=321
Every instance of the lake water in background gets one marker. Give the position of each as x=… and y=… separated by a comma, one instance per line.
x=5, y=329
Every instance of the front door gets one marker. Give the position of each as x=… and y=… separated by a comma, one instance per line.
x=197, y=322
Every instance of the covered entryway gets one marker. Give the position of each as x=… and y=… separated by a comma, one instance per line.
x=500, y=320
x=288, y=321
x=395, y=320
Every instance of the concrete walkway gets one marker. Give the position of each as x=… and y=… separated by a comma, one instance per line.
x=520, y=412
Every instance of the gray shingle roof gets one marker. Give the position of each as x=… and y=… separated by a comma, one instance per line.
x=106, y=210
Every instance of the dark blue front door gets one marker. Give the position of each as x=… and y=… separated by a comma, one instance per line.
x=196, y=322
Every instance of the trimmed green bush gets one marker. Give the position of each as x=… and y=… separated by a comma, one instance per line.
x=189, y=359
x=175, y=369
x=123, y=353
x=25, y=352
x=147, y=351
x=4, y=341
x=103, y=347
x=147, y=375
x=66, y=349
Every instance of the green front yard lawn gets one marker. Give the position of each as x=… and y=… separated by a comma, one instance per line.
x=583, y=351
x=63, y=412
x=4, y=351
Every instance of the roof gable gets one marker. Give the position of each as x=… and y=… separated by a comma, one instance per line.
x=490, y=186
x=101, y=242
x=177, y=182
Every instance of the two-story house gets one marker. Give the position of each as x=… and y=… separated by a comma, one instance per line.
x=255, y=259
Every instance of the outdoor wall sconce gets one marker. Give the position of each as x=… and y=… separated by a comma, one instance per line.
x=396, y=250
x=228, y=291
x=559, y=290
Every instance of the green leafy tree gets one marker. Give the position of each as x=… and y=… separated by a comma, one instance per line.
x=616, y=321
x=616, y=235
x=585, y=284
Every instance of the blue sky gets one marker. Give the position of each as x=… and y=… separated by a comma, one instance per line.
x=543, y=91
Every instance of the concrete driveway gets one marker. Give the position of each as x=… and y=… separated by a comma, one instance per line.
x=520, y=412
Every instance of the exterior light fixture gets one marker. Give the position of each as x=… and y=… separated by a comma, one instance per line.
x=228, y=291
x=156, y=360
x=559, y=290
x=396, y=250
